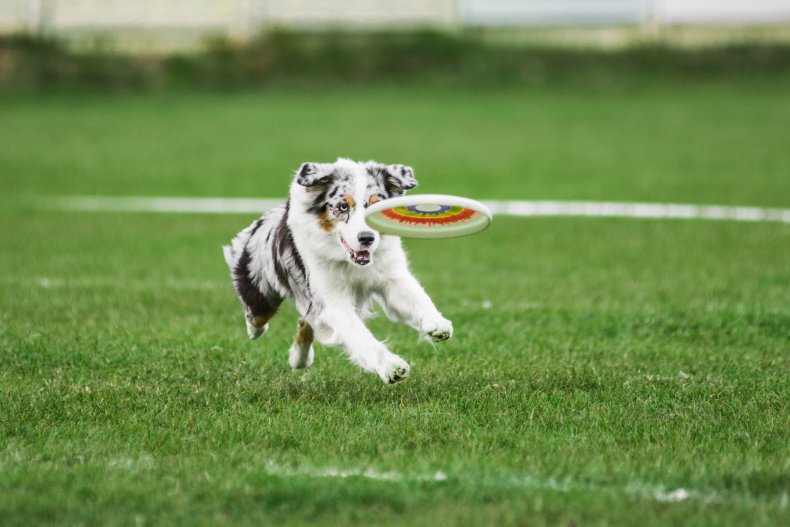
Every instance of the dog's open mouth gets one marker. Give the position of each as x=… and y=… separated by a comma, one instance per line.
x=362, y=257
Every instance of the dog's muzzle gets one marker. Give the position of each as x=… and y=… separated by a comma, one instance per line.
x=362, y=257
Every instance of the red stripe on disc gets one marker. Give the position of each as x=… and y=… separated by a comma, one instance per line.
x=464, y=215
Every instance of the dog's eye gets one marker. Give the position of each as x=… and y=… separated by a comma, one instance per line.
x=342, y=207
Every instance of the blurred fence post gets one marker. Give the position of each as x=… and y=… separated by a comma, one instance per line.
x=35, y=16
x=245, y=19
x=40, y=15
x=654, y=19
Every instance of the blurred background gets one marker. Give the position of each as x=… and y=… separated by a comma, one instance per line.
x=233, y=43
x=38, y=35
x=151, y=25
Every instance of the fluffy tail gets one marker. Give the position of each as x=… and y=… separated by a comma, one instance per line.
x=230, y=258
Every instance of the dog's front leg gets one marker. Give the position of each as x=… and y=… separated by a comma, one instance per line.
x=342, y=327
x=404, y=300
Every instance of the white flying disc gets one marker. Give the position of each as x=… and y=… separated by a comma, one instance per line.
x=429, y=216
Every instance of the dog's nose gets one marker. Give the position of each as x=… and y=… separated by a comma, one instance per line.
x=366, y=238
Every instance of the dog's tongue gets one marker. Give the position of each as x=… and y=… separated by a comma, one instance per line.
x=362, y=257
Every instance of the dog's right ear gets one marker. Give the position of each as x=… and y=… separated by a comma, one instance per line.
x=311, y=174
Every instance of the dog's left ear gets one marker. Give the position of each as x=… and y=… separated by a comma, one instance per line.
x=399, y=178
x=311, y=174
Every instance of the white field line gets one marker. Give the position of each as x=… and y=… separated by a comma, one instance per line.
x=499, y=208
x=636, y=210
x=633, y=489
x=160, y=204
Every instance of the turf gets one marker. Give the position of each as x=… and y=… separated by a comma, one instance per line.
x=603, y=372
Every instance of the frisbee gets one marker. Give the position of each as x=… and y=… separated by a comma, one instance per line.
x=428, y=216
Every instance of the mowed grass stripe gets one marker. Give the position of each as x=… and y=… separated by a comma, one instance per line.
x=702, y=143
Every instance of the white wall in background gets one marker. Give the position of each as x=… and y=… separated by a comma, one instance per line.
x=68, y=14
x=724, y=11
x=360, y=12
x=15, y=14
x=218, y=14
x=202, y=13
x=244, y=17
x=552, y=12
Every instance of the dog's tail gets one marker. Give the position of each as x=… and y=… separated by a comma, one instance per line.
x=230, y=258
x=235, y=248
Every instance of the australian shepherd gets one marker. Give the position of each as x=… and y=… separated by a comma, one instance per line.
x=317, y=251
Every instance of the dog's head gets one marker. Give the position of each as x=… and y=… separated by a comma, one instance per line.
x=333, y=198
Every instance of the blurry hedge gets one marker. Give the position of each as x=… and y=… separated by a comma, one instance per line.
x=318, y=59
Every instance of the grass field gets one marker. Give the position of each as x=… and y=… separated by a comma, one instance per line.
x=603, y=372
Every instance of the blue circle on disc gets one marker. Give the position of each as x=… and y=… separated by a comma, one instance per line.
x=428, y=209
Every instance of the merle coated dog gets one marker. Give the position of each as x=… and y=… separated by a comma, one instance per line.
x=317, y=251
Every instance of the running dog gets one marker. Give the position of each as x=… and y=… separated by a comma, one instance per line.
x=317, y=251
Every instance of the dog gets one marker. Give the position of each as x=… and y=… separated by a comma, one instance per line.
x=317, y=251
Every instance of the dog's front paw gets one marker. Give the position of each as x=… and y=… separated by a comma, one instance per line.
x=254, y=331
x=298, y=358
x=437, y=328
x=393, y=369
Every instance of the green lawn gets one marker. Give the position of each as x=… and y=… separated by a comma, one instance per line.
x=603, y=372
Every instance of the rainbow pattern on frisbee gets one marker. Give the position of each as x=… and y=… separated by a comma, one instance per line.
x=428, y=216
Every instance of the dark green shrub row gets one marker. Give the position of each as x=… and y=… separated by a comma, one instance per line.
x=31, y=63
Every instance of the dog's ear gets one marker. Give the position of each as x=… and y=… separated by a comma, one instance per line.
x=399, y=178
x=311, y=174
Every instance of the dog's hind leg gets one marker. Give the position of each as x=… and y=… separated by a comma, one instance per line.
x=260, y=303
x=301, y=353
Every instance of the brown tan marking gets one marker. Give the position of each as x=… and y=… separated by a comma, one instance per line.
x=373, y=199
x=350, y=200
x=324, y=221
x=260, y=320
x=304, y=333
